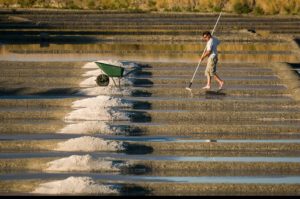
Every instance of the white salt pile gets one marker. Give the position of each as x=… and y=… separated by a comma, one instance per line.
x=109, y=90
x=88, y=143
x=96, y=114
x=98, y=109
x=76, y=185
x=87, y=127
x=90, y=113
x=100, y=101
x=83, y=163
x=93, y=73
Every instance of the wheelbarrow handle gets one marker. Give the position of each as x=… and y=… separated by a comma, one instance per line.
x=126, y=74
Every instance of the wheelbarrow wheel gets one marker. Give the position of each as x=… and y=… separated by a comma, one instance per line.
x=102, y=80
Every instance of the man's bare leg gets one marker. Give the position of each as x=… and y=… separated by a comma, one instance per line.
x=220, y=82
x=208, y=83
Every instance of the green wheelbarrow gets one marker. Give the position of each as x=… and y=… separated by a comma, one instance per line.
x=110, y=71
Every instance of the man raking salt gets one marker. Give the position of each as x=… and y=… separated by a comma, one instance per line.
x=212, y=53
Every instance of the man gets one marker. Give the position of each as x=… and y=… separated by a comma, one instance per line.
x=212, y=53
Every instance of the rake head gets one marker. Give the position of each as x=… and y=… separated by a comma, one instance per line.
x=189, y=87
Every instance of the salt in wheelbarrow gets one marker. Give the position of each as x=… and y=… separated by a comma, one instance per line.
x=111, y=71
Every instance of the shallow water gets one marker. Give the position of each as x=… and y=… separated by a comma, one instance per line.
x=128, y=178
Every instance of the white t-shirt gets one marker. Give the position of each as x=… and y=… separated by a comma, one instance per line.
x=212, y=45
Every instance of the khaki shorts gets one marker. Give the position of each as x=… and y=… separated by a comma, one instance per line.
x=211, y=67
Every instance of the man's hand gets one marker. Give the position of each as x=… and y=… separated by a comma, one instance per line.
x=202, y=58
x=206, y=54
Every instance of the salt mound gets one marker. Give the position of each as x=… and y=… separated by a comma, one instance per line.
x=97, y=108
x=88, y=143
x=109, y=90
x=87, y=127
x=90, y=65
x=89, y=114
x=96, y=114
x=83, y=163
x=100, y=101
x=93, y=73
x=76, y=185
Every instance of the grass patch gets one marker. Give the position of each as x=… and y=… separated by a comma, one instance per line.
x=257, y=7
x=242, y=8
x=258, y=11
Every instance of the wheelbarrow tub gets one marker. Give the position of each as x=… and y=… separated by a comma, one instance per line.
x=111, y=70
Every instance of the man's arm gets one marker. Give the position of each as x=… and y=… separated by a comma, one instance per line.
x=206, y=54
